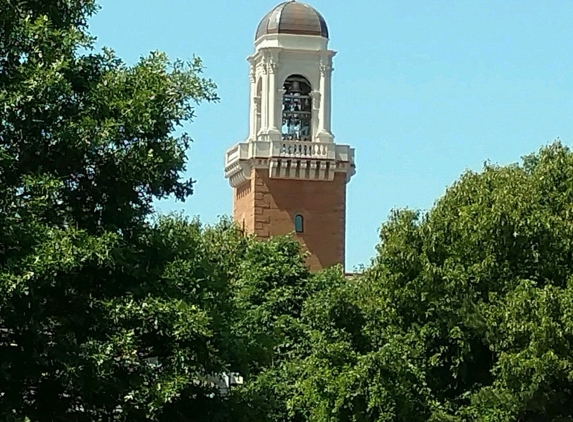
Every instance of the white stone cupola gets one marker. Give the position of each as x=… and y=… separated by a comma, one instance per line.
x=290, y=130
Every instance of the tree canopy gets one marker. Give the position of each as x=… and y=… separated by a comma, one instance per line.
x=109, y=312
x=464, y=315
x=98, y=318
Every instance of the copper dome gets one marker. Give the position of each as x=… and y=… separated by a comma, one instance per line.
x=292, y=17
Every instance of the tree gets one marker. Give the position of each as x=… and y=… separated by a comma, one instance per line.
x=464, y=314
x=104, y=315
x=268, y=283
x=108, y=312
x=95, y=132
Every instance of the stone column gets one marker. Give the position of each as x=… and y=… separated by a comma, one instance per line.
x=324, y=134
x=322, y=104
x=272, y=95
x=315, y=116
x=328, y=100
x=264, y=101
x=279, y=117
x=252, y=104
x=274, y=133
x=257, y=113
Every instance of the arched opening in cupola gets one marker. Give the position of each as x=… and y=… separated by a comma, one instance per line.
x=297, y=109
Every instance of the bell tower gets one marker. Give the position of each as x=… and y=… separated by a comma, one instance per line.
x=289, y=176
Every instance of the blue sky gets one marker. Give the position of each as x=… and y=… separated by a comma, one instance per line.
x=422, y=89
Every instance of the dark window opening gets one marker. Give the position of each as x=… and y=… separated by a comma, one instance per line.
x=298, y=223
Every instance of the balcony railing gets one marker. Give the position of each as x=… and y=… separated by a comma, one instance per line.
x=289, y=149
x=241, y=159
x=297, y=149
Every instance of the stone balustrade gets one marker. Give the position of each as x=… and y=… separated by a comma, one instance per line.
x=241, y=158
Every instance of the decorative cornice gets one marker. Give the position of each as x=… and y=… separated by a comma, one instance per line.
x=289, y=160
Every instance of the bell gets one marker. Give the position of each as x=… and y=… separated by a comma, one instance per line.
x=295, y=87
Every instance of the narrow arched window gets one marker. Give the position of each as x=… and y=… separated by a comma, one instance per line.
x=298, y=223
x=297, y=109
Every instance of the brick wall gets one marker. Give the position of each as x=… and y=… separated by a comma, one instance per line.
x=244, y=207
x=267, y=207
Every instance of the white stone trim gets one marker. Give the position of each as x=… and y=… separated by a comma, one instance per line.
x=289, y=160
x=292, y=41
x=276, y=57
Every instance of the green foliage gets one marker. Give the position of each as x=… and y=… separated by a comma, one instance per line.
x=103, y=315
x=109, y=313
x=99, y=132
x=464, y=315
